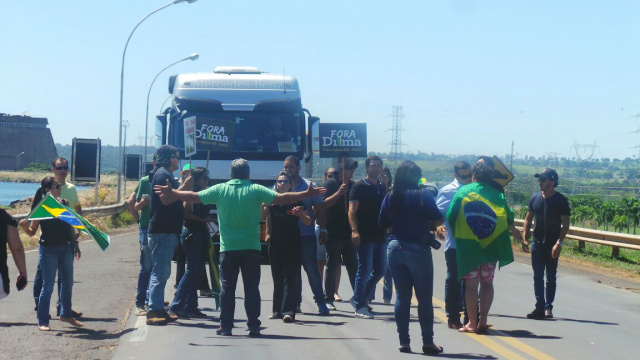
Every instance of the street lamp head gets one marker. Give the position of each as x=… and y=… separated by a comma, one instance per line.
x=179, y=1
x=193, y=57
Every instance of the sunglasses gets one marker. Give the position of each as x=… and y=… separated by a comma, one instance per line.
x=56, y=186
x=282, y=181
x=60, y=168
x=329, y=176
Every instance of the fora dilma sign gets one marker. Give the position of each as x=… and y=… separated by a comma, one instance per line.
x=339, y=139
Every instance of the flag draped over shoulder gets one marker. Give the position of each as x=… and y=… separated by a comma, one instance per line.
x=50, y=208
x=479, y=218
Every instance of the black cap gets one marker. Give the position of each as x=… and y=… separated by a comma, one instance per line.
x=548, y=173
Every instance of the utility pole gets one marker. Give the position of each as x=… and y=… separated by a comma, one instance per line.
x=125, y=125
x=396, y=137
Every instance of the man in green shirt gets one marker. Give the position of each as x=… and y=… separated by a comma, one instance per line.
x=142, y=204
x=239, y=203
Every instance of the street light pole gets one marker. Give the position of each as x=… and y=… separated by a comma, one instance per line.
x=125, y=124
x=18, y=160
x=120, y=154
x=192, y=57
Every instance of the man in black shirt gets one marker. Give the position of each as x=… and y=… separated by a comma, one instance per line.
x=365, y=200
x=551, y=212
x=339, y=240
x=165, y=225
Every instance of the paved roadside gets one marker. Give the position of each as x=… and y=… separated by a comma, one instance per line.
x=104, y=289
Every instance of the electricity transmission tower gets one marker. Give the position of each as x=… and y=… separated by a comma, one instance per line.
x=396, y=137
x=584, y=154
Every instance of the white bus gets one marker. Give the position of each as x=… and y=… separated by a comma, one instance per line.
x=241, y=112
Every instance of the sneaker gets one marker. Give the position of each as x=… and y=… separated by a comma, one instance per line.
x=331, y=306
x=197, y=315
x=171, y=316
x=156, y=317
x=207, y=293
x=364, y=313
x=287, y=319
x=275, y=316
x=352, y=301
x=548, y=314
x=141, y=311
x=323, y=309
x=536, y=315
x=223, y=332
x=254, y=332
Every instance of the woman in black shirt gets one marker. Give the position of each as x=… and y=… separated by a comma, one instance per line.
x=57, y=244
x=283, y=237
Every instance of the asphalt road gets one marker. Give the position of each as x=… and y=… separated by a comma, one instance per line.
x=593, y=320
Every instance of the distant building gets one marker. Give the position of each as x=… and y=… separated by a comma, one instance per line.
x=25, y=140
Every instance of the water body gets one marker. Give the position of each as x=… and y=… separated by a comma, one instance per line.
x=11, y=191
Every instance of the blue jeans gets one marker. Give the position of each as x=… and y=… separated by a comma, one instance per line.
x=195, y=249
x=372, y=263
x=412, y=267
x=541, y=260
x=231, y=263
x=142, y=295
x=387, y=289
x=55, y=258
x=453, y=289
x=309, y=260
x=162, y=247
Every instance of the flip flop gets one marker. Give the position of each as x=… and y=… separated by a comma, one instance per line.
x=466, y=329
x=44, y=328
x=482, y=329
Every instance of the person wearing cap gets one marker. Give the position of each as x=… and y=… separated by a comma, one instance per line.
x=550, y=211
x=185, y=172
x=339, y=245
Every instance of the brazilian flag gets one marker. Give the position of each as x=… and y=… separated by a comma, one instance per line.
x=49, y=208
x=479, y=218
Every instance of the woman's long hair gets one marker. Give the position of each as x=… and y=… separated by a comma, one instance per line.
x=46, y=183
x=197, y=174
x=407, y=177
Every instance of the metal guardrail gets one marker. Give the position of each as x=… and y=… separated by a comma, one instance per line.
x=93, y=212
x=608, y=238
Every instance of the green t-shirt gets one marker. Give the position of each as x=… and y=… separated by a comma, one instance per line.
x=239, y=205
x=143, y=188
x=68, y=192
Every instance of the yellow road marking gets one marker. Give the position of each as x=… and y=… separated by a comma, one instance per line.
x=487, y=342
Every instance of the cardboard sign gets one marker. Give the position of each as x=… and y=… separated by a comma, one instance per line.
x=342, y=139
x=215, y=135
x=190, y=136
x=501, y=174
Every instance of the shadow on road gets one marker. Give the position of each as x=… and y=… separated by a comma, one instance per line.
x=464, y=356
x=10, y=324
x=558, y=319
x=89, y=334
x=523, y=334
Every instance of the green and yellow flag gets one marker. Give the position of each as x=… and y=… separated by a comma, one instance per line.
x=479, y=218
x=49, y=208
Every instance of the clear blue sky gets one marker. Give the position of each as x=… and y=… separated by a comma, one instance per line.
x=471, y=76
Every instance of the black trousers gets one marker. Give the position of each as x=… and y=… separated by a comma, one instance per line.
x=285, y=266
x=339, y=250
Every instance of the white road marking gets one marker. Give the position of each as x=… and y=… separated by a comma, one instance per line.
x=140, y=330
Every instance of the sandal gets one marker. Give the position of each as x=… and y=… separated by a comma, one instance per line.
x=432, y=349
x=466, y=329
x=482, y=329
x=44, y=328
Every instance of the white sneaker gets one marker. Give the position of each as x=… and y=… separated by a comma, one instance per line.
x=364, y=313
x=141, y=311
x=331, y=306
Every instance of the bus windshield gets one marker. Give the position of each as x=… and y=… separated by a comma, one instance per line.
x=241, y=133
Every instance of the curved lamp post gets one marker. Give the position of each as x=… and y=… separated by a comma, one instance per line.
x=120, y=160
x=191, y=57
